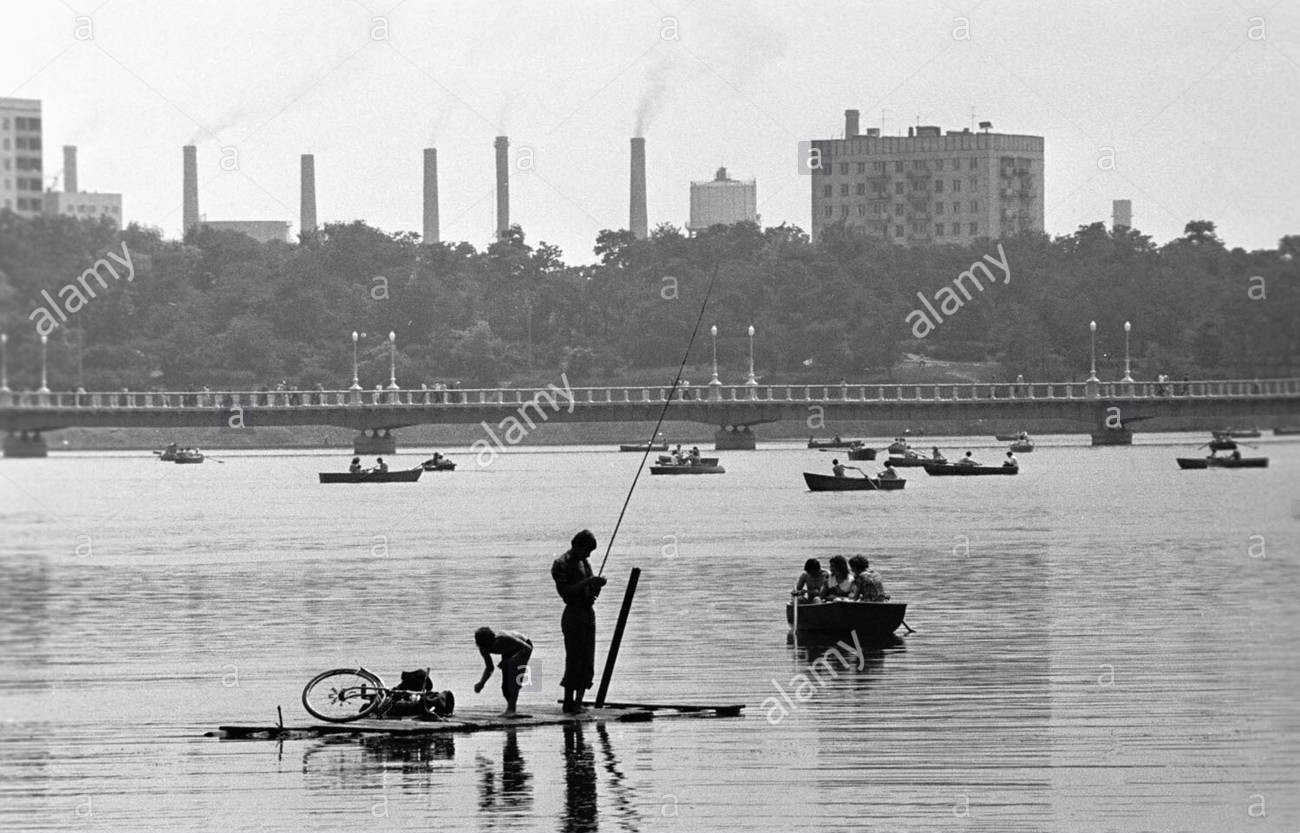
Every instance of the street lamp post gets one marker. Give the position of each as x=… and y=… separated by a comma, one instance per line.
x=4, y=363
x=356, y=382
x=1092, y=374
x=1128, y=377
x=45, y=388
x=714, y=331
x=392, y=361
x=751, y=380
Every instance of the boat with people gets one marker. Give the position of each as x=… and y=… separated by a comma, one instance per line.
x=833, y=443
x=1215, y=462
x=1222, y=441
x=861, y=452
x=188, y=455
x=831, y=483
x=1022, y=444
x=965, y=470
x=700, y=465
x=668, y=460
x=1244, y=433
x=1009, y=438
x=372, y=476
x=663, y=446
x=1286, y=430
x=899, y=446
x=438, y=462
x=168, y=454
x=911, y=458
x=868, y=619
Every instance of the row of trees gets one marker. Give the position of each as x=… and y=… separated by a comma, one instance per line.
x=221, y=310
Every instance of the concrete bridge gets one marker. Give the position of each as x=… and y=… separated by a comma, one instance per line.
x=1104, y=409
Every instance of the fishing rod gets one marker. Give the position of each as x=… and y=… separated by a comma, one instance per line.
x=708, y=291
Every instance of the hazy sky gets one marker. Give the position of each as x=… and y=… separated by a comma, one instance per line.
x=1189, y=109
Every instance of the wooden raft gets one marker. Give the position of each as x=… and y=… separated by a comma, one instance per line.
x=473, y=720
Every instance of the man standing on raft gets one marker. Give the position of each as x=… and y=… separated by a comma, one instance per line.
x=579, y=589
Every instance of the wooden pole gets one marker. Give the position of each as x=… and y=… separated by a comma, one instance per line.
x=618, y=637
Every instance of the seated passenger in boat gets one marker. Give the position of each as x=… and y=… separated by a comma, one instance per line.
x=1236, y=455
x=967, y=460
x=838, y=468
x=355, y=468
x=1011, y=461
x=841, y=583
x=935, y=455
x=889, y=473
x=380, y=465
x=695, y=455
x=867, y=586
x=812, y=583
x=677, y=454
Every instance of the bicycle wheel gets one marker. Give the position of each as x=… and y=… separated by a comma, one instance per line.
x=343, y=694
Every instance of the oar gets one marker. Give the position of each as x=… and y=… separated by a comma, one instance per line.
x=909, y=627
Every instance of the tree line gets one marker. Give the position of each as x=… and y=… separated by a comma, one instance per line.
x=221, y=310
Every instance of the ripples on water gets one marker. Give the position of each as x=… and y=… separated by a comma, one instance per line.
x=1095, y=649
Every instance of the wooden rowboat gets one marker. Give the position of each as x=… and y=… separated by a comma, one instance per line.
x=912, y=461
x=1007, y=438
x=831, y=483
x=399, y=476
x=1286, y=430
x=950, y=469
x=1222, y=463
x=869, y=619
x=665, y=460
x=441, y=464
x=689, y=468
x=188, y=455
x=836, y=443
x=862, y=453
x=643, y=447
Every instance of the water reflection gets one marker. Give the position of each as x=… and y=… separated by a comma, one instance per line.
x=510, y=789
x=580, y=809
x=346, y=763
x=624, y=807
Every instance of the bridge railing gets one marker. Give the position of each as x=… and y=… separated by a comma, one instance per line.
x=642, y=394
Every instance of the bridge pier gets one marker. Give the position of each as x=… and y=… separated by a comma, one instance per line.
x=1112, y=436
x=25, y=445
x=734, y=438
x=374, y=443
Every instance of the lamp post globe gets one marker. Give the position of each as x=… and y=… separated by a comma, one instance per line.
x=1128, y=376
x=356, y=383
x=752, y=380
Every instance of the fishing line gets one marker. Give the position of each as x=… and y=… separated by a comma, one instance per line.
x=654, y=433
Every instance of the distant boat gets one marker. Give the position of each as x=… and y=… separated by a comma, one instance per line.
x=831, y=483
x=913, y=460
x=835, y=443
x=868, y=619
x=665, y=460
x=399, y=476
x=438, y=463
x=168, y=454
x=703, y=466
x=862, y=453
x=644, y=447
x=1222, y=463
x=188, y=455
x=1244, y=433
x=1007, y=438
x=1023, y=446
x=953, y=469
x=1286, y=430
x=899, y=446
x=1222, y=441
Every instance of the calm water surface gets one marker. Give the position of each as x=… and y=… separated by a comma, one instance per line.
x=1102, y=643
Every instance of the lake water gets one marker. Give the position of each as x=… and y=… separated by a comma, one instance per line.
x=1102, y=643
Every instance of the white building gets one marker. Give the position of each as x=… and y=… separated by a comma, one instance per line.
x=84, y=205
x=21, y=180
x=722, y=201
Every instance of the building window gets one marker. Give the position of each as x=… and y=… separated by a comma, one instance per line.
x=877, y=208
x=974, y=183
x=898, y=187
x=829, y=211
x=828, y=191
x=861, y=189
x=974, y=206
x=844, y=167
x=938, y=208
x=974, y=163
x=938, y=186
x=918, y=164
x=956, y=185
x=898, y=210
x=974, y=229
x=878, y=167
x=20, y=123
x=956, y=208
x=898, y=166
x=844, y=211
x=844, y=189
x=938, y=229
x=862, y=209
x=956, y=229
x=898, y=231
x=938, y=164
x=20, y=143
x=862, y=167
x=34, y=143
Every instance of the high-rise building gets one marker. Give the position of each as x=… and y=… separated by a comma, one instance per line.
x=722, y=201
x=21, y=180
x=929, y=186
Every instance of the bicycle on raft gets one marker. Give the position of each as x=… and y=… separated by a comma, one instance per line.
x=346, y=694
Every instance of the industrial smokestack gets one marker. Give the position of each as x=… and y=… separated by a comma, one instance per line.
x=70, y=169
x=189, y=189
x=307, y=222
x=850, y=123
x=636, y=221
x=431, y=234
x=503, y=186
x=1121, y=214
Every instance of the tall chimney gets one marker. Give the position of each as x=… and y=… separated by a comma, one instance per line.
x=503, y=186
x=189, y=189
x=307, y=223
x=431, y=234
x=1121, y=214
x=850, y=123
x=70, y=169
x=636, y=221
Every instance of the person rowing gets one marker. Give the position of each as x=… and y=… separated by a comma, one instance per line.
x=968, y=460
x=1011, y=461
x=889, y=473
x=355, y=467
x=838, y=468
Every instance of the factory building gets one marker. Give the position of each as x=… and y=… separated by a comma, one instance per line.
x=73, y=202
x=722, y=201
x=928, y=187
x=263, y=231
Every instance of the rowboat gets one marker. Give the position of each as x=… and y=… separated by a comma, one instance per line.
x=1022, y=446
x=399, y=476
x=1222, y=442
x=899, y=446
x=913, y=460
x=835, y=443
x=862, y=453
x=1222, y=463
x=665, y=460
x=643, y=447
x=831, y=483
x=868, y=619
x=702, y=467
x=1244, y=433
x=946, y=469
x=439, y=464
x=1007, y=438
x=1286, y=430
x=188, y=455
x=168, y=454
